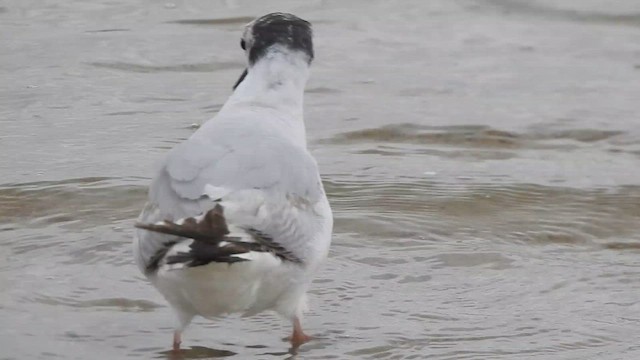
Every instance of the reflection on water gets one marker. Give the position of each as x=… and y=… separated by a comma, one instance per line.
x=195, y=352
x=556, y=13
x=236, y=22
x=205, y=67
x=484, y=175
x=84, y=201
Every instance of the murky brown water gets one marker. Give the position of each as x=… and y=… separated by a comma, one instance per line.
x=482, y=158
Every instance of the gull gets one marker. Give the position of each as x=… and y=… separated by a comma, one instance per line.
x=237, y=219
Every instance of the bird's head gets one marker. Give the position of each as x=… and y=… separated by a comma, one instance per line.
x=276, y=32
x=282, y=30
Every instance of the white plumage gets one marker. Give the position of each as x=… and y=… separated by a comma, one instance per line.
x=237, y=219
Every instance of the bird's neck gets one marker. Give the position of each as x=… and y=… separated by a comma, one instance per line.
x=275, y=81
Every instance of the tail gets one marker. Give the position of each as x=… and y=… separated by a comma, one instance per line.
x=209, y=242
x=210, y=227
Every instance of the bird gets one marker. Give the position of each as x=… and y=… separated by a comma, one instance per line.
x=237, y=220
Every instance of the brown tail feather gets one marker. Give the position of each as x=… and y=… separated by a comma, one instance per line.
x=211, y=228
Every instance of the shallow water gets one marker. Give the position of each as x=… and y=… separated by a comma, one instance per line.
x=482, y=158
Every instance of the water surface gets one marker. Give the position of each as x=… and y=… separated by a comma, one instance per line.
x=482, y=158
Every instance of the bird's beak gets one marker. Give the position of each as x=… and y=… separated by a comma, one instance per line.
x=244, y=74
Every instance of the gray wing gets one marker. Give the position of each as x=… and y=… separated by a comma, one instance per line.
x=257, y=169
x=233, y=159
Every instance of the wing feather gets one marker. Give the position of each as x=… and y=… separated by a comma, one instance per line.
x=264, y=181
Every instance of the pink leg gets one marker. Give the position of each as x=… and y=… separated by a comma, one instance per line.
x=298, y=337
x=177, y=339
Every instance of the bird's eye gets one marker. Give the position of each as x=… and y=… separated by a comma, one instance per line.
x=242, y=44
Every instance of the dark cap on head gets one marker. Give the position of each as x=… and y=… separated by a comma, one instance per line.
x=277, y=28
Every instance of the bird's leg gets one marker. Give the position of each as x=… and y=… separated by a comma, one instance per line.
x=298, y=337
x=183, y=320
x=177, y=339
